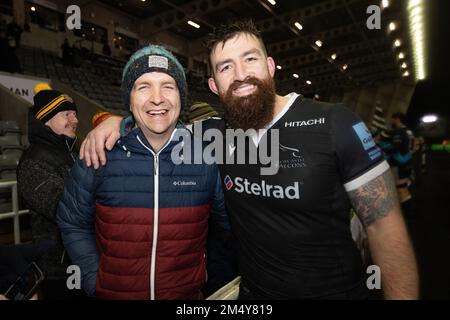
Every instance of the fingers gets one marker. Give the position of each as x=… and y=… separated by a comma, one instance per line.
x=92, y=150
x=86, y=150
x=100, y=156
x=93, y=154
x=82, y=149
x=104, y=135
x=112, y=140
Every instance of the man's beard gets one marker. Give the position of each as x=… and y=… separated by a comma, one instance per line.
x=252, y=111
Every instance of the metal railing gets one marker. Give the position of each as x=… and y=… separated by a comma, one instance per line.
x=15, y=213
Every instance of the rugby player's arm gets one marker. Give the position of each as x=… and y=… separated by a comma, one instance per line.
x=376, y=204
x=103, y=136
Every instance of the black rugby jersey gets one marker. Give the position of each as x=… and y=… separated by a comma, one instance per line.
x=292, y=228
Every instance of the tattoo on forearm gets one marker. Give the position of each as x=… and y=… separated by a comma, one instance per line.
x=375, y=199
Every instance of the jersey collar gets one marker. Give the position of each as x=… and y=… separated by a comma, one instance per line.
x=291, y=98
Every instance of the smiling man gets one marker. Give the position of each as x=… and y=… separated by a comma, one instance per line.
x=138, y=226
x=52, y=125
x=293, y=227
x=242, y=84
x=300, y=247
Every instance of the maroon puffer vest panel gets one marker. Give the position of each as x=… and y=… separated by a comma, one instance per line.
x=125, y=238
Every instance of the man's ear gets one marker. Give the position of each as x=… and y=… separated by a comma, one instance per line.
x=212, y=85
x=271, y=66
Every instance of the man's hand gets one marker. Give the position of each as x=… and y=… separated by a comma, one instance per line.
x=103, y=136
x=34, y=297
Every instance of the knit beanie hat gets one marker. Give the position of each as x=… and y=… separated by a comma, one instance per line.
x=201, y=111
x=99, y=117
x=153, y=58
x=48, y=102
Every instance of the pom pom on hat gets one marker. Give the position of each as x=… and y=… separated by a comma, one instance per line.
x=41, y=86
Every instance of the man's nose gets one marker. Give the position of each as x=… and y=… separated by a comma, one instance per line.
x=73, y=118
x=156, y=96
x=240, y=72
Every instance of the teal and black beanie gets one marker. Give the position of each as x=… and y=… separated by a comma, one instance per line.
x=153, y=58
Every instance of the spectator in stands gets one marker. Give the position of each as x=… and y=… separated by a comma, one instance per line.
x=77, y=57
x=200, y=111
x=85, y=52
x=41, y=19
x=40, y=176
x=137, y=227
x=422, y=153
x=3, y=25
x=8, y=57
x=106, y=49
x=26, y=25
x=15, y=31
x=400, y=153
x=3, y=50
x=67, y=54
x=38, y=17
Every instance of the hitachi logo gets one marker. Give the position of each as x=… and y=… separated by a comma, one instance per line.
x=301, y=123
x=267, y=190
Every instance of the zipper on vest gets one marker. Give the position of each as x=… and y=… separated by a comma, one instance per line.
x=155, y=212
x=155, y=227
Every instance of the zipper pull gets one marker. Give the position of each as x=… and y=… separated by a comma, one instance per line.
x=156, y=165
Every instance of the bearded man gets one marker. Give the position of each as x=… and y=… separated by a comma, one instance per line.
x=292, y=228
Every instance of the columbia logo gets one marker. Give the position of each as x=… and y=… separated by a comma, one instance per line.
x=184, y=183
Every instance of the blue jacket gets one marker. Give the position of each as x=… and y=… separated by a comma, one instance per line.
x=137, y=227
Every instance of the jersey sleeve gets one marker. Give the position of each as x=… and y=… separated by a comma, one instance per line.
x=359, y=159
